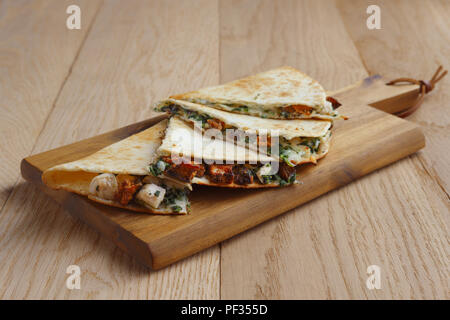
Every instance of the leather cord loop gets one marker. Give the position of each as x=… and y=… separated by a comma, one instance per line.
x=424, y=88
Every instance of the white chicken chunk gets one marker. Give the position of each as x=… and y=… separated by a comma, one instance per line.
x=151, y=195
x=104, y=186
x=265, y=170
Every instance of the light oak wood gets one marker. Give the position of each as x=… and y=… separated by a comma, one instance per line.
x=217, y=214
x=373, y=87
x=133, y=55
x=36, y=54
x=413, y=41
x=393, y=218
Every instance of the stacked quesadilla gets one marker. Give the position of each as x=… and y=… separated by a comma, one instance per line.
x=119, y=176
x=249, y=133
x=199, y=159
x=282, y=93
x=300, y=141
x=282, y=107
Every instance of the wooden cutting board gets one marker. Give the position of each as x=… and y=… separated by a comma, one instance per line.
x=369, y=140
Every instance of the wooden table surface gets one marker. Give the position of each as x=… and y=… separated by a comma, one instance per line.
x=58, y=86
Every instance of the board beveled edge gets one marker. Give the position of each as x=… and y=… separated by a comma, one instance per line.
x=77, y=205
x=90, y=145
x=246, y=218
x=165, y=250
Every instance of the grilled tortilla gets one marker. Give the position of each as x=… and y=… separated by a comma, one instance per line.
x=282, y=93
x=216, y=162
x=118, y=175
x=299, y=140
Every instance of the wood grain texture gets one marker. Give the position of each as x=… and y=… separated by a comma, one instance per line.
x=413, y=41
x=36, y=54
x=372, y=88
x=132, y=56
x=158, y=241
x=392, y=218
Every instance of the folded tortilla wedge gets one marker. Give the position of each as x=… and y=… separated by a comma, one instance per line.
x=194, y=157
x=282, y=93
x=118, y=175
x=300, y=141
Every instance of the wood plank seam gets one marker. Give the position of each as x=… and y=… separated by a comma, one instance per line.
x=134, y=68
x=159, y=240
x=419, y=157
x=361, y=214
x=69, y=72
x=361, y=57
x=433, y=178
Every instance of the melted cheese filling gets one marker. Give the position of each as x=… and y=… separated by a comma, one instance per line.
x=320, y=111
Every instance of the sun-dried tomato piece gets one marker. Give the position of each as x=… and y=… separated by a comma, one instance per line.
x=216, y=124
x=185, y=171
x=127, y=187
x=220, y=173
x=334, y=103
x=286, y=171
x=300, y=108
x=242, y=175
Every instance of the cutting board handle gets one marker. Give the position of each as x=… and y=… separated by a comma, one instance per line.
x=400, y=97
x=373, y=91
